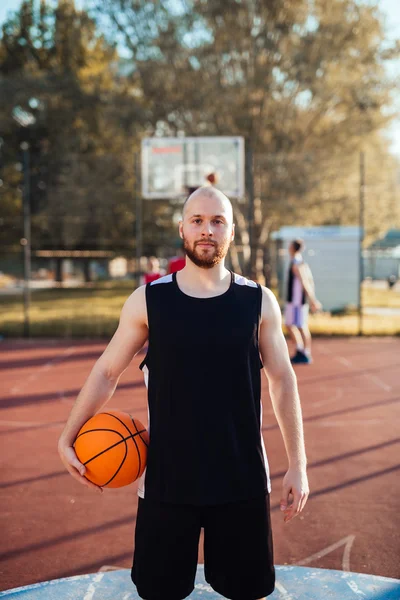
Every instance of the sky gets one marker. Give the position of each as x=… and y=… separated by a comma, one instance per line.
x=389, y=7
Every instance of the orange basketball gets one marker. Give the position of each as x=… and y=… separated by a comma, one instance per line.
x=113, y=447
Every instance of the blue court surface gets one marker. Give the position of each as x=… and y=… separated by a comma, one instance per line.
x=293, y=583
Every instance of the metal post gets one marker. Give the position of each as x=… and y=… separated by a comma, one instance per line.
x=250, y=193
x=199, y=179
x=26, y=240
x=361, y=239
x=139, y=217
x=185, y=160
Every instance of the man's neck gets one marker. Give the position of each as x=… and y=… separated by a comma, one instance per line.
x=195, y=278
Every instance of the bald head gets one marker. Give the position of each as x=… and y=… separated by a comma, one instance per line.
x=211, y=198
x=207, y=227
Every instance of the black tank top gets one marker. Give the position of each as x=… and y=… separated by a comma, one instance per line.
x=290, y=284
x=204, y=387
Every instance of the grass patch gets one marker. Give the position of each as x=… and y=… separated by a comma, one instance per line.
x=377, y=297
x=68, y=312
x=93, y=311
x=325, y=324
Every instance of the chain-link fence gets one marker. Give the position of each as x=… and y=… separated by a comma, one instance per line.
x=91, y=234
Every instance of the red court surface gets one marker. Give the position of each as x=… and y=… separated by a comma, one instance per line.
x=54, y=527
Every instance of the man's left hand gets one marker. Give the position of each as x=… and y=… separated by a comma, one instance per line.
x=295, y=493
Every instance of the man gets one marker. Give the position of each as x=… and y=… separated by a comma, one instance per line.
x=210, y=331
x=300, y=286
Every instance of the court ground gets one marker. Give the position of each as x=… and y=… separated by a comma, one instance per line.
x=54, y=528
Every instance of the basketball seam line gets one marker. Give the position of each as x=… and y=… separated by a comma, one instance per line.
x=126, y=446
x=119, y=468
x=137, y=449
x=100, y=429
x=126, y=427
x=132, y=436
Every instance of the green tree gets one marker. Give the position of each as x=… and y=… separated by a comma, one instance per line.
x=303, y=82
x=57, y=66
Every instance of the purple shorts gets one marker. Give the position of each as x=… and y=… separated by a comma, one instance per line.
x=296, y=314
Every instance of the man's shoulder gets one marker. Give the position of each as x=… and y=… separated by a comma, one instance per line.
x=298, y=260
x=270, y=304
x=160, y=280
x=135, y=305
x=243, y=281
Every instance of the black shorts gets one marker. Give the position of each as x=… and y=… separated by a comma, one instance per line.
x=238, y=553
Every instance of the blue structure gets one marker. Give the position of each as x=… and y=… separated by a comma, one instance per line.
x=293, y=583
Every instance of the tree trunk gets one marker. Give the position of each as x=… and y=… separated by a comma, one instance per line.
x=257, y=250
x=59, y=270
x=235, y=259
x=86, y=270
x=242, y=227
x=267, y=266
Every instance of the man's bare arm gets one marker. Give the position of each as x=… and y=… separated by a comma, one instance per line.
x=301, y=272
x=131, y=334
x=285, y=400
x=302, y=275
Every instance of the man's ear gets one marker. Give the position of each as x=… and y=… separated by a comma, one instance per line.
x=233, y=232
x=181, y=229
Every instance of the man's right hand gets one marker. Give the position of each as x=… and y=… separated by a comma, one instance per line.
x=73, y=466
x=131, y=335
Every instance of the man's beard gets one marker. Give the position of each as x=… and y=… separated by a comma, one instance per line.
x=206, y=260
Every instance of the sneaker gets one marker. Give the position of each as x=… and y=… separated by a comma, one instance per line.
x=301, y=358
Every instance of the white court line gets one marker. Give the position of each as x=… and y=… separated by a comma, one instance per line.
x=284, y=594
x=204, y=586
x=346, y=423
x=354, y=588
x=347, y=542
x=379, y=382
x=346, y=553
x=45, y=425
x=35, y=375
x=347, y=363
x=337, y=396
x=324, y=350
x=344, y=361
x=92, y=586
x=20, y=423
x=106, y=568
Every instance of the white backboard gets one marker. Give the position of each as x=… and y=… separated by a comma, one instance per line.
x=172, y=165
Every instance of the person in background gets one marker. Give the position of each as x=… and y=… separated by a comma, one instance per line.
x=153, y=271
x=300, y=292
x=176, y=263
x=211, y=180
